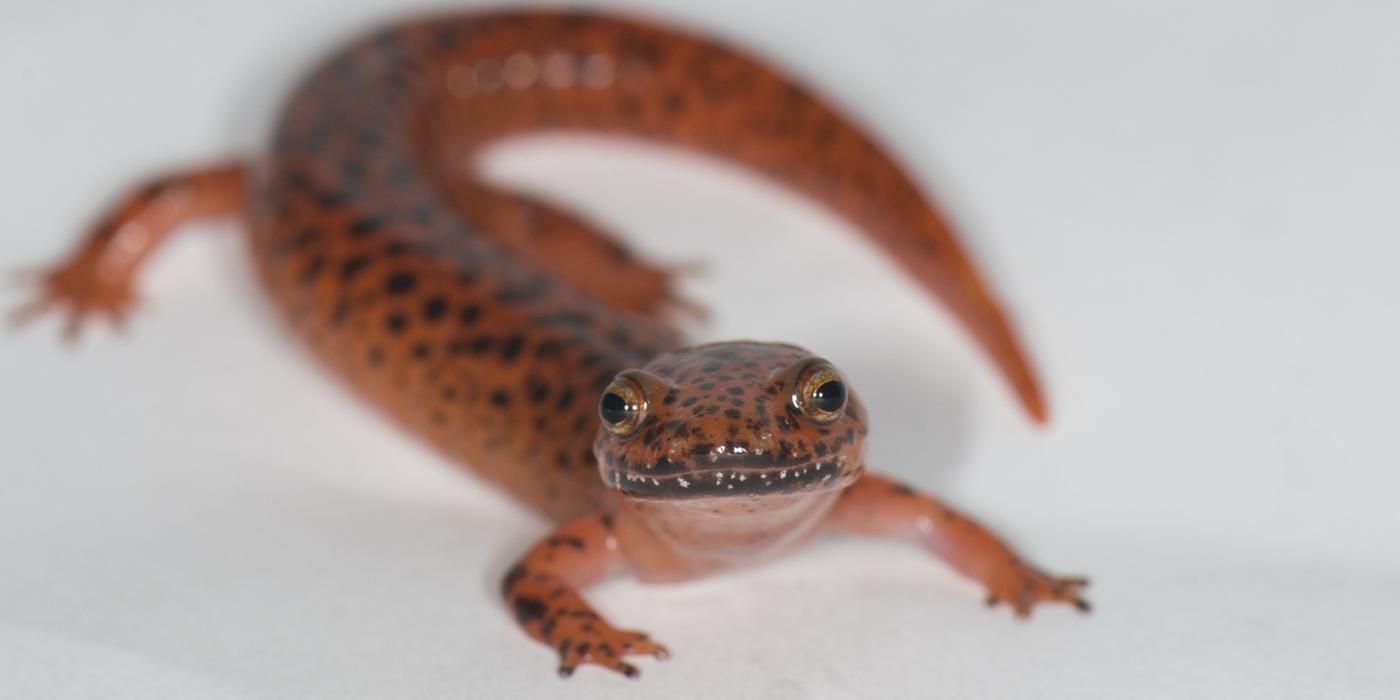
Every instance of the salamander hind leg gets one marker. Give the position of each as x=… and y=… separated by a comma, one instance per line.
x=572, y=249
x=542, y=592
x=875, y=506
x=98, y=278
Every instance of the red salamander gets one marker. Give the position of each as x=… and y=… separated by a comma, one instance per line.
x=540, y=353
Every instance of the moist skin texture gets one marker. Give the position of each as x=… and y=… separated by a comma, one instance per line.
x=489, y=323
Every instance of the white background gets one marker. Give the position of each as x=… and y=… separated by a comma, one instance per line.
x=1190, y=208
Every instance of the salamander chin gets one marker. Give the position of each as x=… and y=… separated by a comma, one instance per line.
x=730, y=419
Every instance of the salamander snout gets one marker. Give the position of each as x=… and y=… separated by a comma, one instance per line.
x=737, y=418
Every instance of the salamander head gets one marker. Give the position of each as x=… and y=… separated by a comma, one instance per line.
x=730, y=419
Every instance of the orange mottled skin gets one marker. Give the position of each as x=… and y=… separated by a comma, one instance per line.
x=490, y=323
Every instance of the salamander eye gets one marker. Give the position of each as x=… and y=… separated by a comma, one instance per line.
x=623, y=407
x=821, y=394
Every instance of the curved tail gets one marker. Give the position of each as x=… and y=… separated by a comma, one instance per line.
x=487, y=76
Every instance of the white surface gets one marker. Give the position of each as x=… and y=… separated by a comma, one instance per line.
x=1191, y=210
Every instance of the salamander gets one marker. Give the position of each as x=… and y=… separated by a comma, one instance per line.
x=532, y=347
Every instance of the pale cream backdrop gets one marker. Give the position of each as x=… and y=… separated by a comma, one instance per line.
x=1191, y=209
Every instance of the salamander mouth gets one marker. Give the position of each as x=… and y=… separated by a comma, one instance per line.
x=734, y=478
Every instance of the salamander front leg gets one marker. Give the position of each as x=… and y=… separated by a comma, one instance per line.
x=542, y=592
x=876, y=506
x=97, y=278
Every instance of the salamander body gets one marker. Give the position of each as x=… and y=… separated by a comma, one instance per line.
x=530, y=346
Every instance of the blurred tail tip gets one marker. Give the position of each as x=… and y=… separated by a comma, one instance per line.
x=1039, y=414
x=1036, y=408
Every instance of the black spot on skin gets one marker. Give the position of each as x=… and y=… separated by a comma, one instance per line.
x=469, y=314
x=424, y=215
x=548, y=348
x=401, y=175
x=420, y=351
x=519, y=571
x=446, y=38
x=565, y=318
x=312, y=270
x=903, y=490
x=340, y=313
x=500, y=398
x=468, y=276
x=528, y=610
x=158, y=186
x=538, y=392
x=316, y=137
x=620, y=336
x=353, y=267
x=298, y=180
x=352, y=170
x=297, y=241
x=511, y=348
x=333, y=200
x=370, y=139
x=396, y=323
x=528, y=292
x=733, y=413
x=674, y=101
x=434, y=309
x=603, y=379
x=401, y=283
x=366, y=226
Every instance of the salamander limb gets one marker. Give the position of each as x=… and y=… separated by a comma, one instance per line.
x=878, y=507
x=543, y=592
x=97, y=279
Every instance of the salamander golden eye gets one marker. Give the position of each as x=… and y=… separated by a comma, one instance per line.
x=821, y=394
x=830, y=396
x=622, y=407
